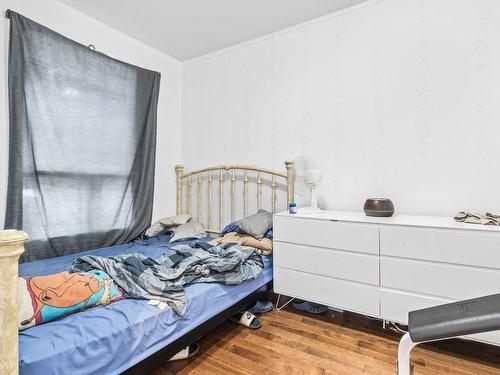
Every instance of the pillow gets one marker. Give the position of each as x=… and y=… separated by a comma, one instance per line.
x=234, y=227
x=257, y=224
x=45, y=298
x=191, y=230
x=166, y=224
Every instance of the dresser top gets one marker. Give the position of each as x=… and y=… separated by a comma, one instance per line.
x=404, y=220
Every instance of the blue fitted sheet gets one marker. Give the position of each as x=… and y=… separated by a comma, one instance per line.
x=110, y=339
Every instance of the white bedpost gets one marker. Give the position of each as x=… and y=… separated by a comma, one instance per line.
x=11, y=248
x=179, y=170
x=406, y=344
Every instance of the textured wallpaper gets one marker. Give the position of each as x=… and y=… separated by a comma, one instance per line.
x=394, y=98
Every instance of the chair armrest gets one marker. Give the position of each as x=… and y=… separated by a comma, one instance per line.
x=455, y=319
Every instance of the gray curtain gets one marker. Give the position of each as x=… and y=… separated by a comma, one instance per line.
x=82, y=143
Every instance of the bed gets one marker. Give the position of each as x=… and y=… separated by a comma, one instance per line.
x=130, y=335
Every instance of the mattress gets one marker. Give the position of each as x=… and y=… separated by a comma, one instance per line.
x=111, y=339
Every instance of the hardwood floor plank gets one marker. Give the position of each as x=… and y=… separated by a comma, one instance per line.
x=370, y=345
x=438, y=360
x=206, y=368
x=319, y=346
x=441, y=363
x=272, y=358
x=303, y=354
x=293, y=342
x=241, y=363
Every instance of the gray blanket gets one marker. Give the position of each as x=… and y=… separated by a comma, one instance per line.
x=164, y=279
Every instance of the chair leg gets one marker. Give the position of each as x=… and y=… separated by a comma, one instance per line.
x=404, y=354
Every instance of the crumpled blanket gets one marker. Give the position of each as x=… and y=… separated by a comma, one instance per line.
x=164, y=279
x=473, y=218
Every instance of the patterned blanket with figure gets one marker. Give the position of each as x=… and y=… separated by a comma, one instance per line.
x=46, y=298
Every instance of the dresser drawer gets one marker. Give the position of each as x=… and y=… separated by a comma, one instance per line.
x=362, y=238
x=438, y=279
x=442, y=245
x=395, y=306
x=328, y=291
x=347, y=265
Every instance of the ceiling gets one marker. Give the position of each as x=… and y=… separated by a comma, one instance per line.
x=185, y=29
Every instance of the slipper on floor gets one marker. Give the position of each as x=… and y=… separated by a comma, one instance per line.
x=189, y=352
x=261, y=307
x=309, y=307
x=247, y=319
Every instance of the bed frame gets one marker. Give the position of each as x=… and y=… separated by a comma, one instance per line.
x=12, y=243
x=204, y=178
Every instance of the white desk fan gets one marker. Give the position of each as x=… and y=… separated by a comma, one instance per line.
x=307, y=179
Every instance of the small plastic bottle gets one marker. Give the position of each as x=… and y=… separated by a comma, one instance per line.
x=292, y=208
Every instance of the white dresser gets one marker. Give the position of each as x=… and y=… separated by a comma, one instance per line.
x=384, y=267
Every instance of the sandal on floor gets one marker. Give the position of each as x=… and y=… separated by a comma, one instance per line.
x=247, y=319
x=261, y=307
x=189, y=352
x=309, y=307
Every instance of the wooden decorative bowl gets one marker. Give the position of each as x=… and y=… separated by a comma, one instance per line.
x=379, y=207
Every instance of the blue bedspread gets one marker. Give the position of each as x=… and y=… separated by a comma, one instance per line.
x=110, y=339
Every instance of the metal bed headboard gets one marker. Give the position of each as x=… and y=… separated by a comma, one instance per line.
x=206, y=176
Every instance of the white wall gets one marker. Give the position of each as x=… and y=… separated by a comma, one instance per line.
x=399, y=98
x=86, y=30
x=395, y=98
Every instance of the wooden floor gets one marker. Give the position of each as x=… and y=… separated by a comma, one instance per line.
x=298, y=343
